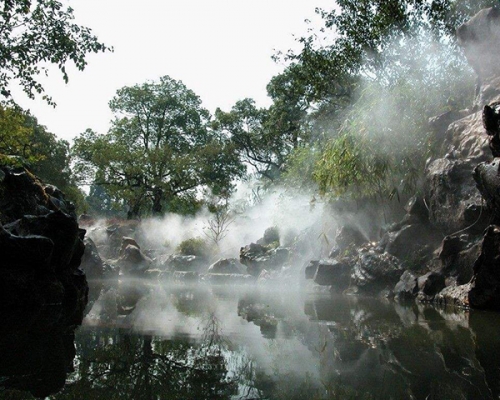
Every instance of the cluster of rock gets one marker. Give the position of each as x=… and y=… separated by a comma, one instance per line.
x=43, y=292
x=447, y=247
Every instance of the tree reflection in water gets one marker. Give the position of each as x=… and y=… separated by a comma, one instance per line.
x=114, y=364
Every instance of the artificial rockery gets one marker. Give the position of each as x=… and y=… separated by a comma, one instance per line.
x=446, y=249
x=43, y=291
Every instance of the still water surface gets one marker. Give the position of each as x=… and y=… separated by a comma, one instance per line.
x=248, y=342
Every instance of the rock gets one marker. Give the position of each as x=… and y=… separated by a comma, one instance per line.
x=375, y=272
x=457, y=255
x=311, y=269
x=227, y=266
x=333, y=273
x=407, y=287
x=453, y=196
x=43, y=292
x=411, y=244
x=454, y=296
x=126, y=241
x=429, y=285
x=485, y=291
x=487, y=179
x=416, y=207
x=257, y=257
x=271, y=235
x=349, y=237
x=133, y=261
x=478, y=37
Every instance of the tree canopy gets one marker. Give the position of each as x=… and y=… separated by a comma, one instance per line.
x=159, y=149
x=36, y=33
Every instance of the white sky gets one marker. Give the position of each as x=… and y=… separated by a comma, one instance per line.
x=221, y=49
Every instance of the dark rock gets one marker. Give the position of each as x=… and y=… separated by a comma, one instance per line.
x=452, y=193
x=429, y=285
x=311, y=269
x=487, y=179
x=42, y=290
x=458, y=254
x=271, y=235
x=485, y=291
x=133, y=261
x=417, y=207
x=407, y=287
x=349, y=237
x=411, y=244
x=333, y=273
x=257, y=257
x=227, y=266
x=374, y=272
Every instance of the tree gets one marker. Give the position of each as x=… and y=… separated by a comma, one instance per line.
x=26, y=143
x=262, y=137
x=158, y=150
x=34, y=33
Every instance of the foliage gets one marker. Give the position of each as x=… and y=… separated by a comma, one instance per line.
x=194, y=247
x=159, y=149
x=398, y=65
x=24, y=142
x=36, y=33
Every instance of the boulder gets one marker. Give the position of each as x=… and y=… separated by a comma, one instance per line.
x=374, y=272
x=311, y=268
x=257, y=257
x=133, y=261
x=349, y=237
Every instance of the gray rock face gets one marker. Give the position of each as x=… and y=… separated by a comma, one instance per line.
x=184, y=263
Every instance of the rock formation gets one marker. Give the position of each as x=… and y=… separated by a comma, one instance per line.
x=43, y=292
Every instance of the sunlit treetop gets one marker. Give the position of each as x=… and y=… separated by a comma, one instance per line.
x=35, y=34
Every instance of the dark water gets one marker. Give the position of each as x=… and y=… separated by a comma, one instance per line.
x=205, y=342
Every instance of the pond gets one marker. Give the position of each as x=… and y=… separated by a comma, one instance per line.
x=252, y=342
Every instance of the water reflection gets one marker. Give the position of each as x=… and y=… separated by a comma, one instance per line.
x=254, y=343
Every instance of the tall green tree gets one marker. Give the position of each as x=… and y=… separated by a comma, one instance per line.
x=36, y=33
x=159, y=149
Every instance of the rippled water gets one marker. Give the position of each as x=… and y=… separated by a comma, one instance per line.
x=249, y=342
